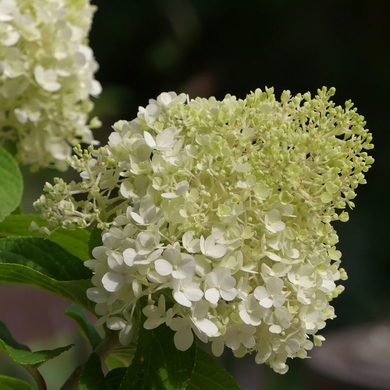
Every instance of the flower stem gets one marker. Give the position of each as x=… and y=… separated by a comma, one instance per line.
x=107, y=345
x=103, y=350
x=37, y=376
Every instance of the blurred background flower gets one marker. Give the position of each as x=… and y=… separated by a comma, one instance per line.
x=46, y=79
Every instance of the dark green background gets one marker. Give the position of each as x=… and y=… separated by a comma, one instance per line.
x=209, y=47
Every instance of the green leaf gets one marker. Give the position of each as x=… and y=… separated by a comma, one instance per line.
x=77, y=313
x=32, y=358
x=121, y=357
x=208, y=374
x=114, y=378
x=8, y=383
x=41, y=263
x=6, y=337
x=21, y=353
x=11, y=184
x=74, y=291
x=92, y=377
x=157, y=363
x=46, y=257
x=74, y=241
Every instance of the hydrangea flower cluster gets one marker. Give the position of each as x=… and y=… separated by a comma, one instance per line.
x=220, y=213
x=46, y=77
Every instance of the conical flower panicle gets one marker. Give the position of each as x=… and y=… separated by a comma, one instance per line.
x=227, y=205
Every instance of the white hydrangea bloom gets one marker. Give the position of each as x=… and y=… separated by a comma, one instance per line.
x=225, y=207
x=46, y=79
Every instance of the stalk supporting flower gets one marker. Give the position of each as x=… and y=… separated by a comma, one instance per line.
x=46, y=79
x=226, y=207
